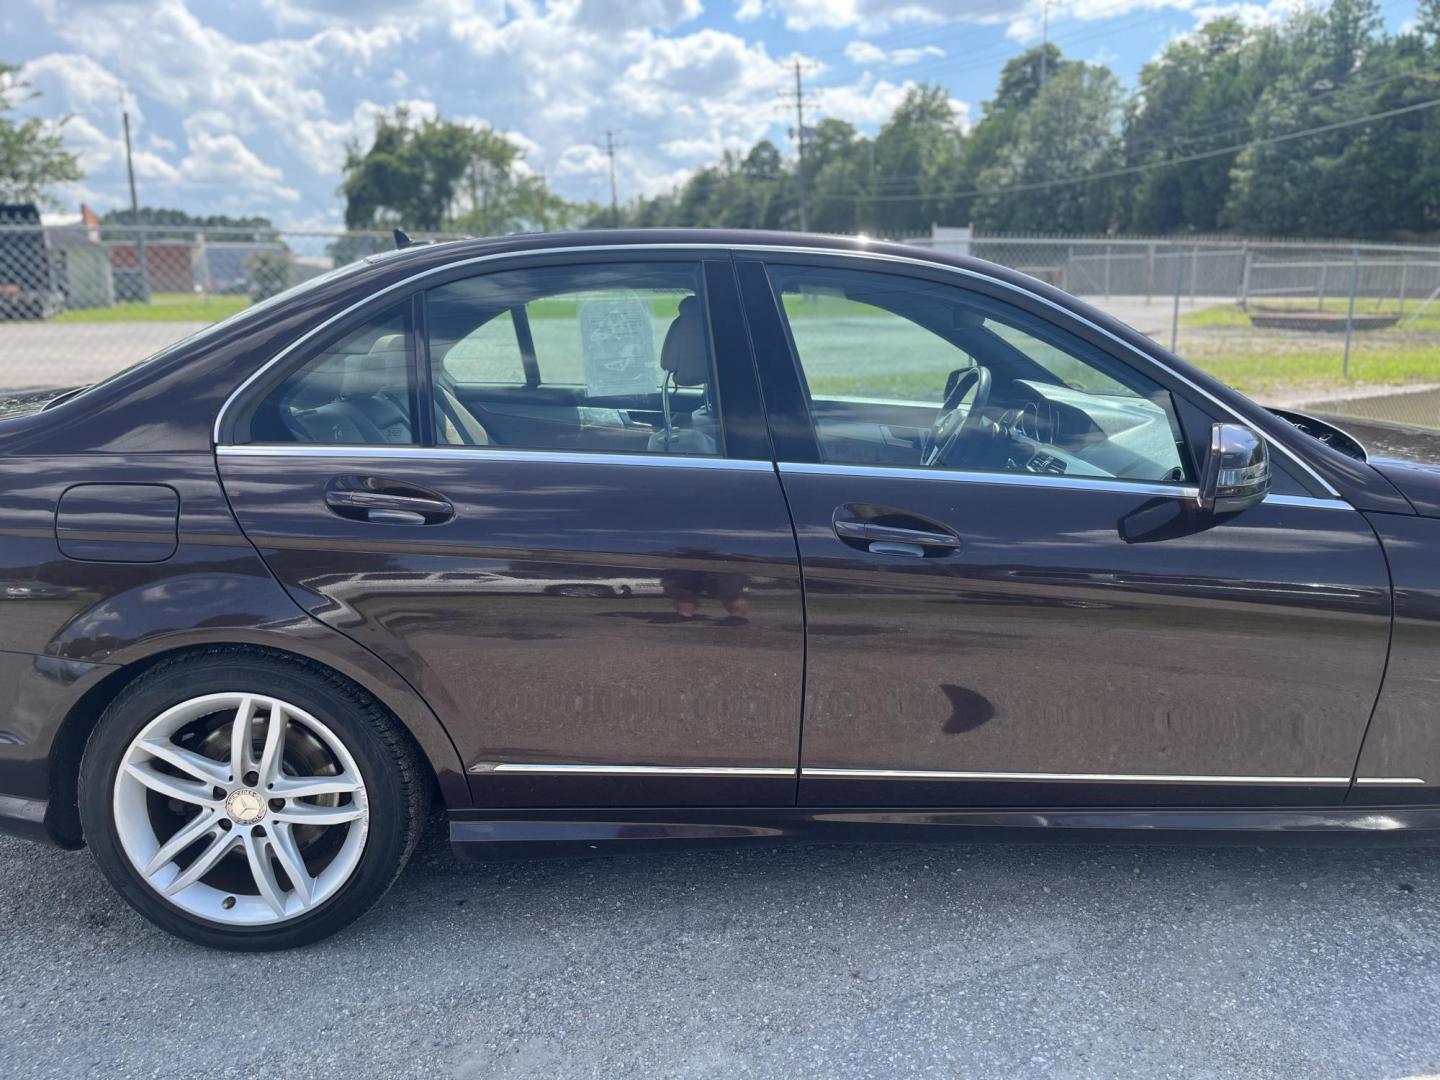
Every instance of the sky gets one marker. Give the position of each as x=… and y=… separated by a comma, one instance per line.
x=246, y=107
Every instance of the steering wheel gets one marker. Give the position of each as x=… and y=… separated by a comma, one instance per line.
x=954, y=422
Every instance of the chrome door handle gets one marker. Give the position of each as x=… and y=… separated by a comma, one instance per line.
x=387, y=508
x=869, y=532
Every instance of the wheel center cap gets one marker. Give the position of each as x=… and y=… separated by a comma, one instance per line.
x=245, y=806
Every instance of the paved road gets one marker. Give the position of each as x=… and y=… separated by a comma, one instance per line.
x=46, y=355
x=989, y=960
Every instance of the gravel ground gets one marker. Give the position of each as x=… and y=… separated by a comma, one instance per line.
x=988, y=960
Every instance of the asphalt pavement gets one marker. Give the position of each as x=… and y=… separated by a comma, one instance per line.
x=982, y=960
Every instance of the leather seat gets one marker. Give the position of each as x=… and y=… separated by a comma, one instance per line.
x=685, y=357
x=374, y=389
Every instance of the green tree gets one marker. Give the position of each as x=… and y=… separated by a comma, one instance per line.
x=1069, y=130
x=1351, y=181
x=33, y=158
x=1196, y=97
x=439, y=175
x=164, y=223
x=917, y=159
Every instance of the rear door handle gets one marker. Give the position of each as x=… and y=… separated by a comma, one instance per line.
x=386, y=507
x=891, y=539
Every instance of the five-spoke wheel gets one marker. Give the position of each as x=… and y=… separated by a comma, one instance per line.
x=183, y=813
x=249, y=801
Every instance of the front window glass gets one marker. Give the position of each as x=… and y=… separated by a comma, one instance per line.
x=613, y=357
x=905, y=371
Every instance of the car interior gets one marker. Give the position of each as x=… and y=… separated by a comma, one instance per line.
x=1013, y=401
x=596, y=380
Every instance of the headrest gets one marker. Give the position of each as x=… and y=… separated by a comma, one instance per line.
x=385, y=367
x=685, y=352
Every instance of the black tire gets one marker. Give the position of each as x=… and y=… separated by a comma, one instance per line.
x=397, y=786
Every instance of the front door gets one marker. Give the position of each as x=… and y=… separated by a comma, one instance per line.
x=1010, y=598
x=544, y=496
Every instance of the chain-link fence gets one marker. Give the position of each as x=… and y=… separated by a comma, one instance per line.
x=1352, y=329
x=1347, y=328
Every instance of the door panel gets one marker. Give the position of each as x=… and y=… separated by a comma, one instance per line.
x=1047, y=644
x=544, y=622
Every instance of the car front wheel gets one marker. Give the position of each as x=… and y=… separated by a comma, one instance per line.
x=249, y=801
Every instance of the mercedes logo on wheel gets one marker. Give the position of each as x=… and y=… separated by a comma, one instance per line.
x=245, y=806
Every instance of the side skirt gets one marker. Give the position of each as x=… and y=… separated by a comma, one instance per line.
x=488, y=834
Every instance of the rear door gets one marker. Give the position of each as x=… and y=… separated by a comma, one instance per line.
x=1039, y=616
x=544, y=495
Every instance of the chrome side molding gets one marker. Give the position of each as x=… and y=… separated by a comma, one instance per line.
x=487, y=768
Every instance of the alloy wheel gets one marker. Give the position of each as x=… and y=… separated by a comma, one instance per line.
x=240, y=808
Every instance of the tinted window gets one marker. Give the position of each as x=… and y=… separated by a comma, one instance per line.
x=613, y=357
x=905, y=371
x=356, y=389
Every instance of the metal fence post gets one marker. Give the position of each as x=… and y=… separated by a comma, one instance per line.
x=1179, y=287
x=1108, y=248
x=1194, y=271
x=1324, y=276
x=1404, y=269
x=1149, y=273
x=1350, y=311
x=1244, y=297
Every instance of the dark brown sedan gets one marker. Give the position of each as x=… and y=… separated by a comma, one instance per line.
x=623, y=539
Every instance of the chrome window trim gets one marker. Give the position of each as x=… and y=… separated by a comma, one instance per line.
x=1308, y=501
x=751, y=248
x=1025, y=479
x=513, y=767
x=1061, y=777
x=449, y=454
x=1007, y=479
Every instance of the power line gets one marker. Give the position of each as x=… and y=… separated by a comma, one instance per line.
x=1130, y=170
x=1197, y=133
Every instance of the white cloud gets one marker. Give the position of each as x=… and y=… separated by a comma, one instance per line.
x=1268, y=14
x=1022, y=18
x=864, y=53
x=868, y=102
x=223, y=161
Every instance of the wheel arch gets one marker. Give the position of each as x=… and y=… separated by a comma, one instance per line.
x=430, y=741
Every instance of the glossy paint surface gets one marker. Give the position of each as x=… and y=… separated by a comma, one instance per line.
x=1103, y=633
x=543, y=622
x=1404, y=736
x=1048, y=643
x=67, y=624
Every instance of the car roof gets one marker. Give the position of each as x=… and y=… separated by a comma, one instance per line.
x=429, y=254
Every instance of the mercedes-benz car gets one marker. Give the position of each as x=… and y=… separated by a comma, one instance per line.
x=627, y=540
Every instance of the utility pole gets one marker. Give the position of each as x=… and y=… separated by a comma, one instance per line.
x=1045, y=43
x=614, y=195
x=800, y=144
x=135, y=210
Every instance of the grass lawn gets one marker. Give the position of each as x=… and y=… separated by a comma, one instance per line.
x=163, y=307
x=1230, y=315
x=1259, y=372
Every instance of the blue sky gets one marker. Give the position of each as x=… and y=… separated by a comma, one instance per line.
x=246, y=108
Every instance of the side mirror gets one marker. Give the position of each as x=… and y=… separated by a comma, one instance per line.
x=1236, y=475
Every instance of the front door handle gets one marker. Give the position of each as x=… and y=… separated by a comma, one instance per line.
x=366, y=499
x=893, y=540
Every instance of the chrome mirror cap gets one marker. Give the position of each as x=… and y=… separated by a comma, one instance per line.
x=1236, y=475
